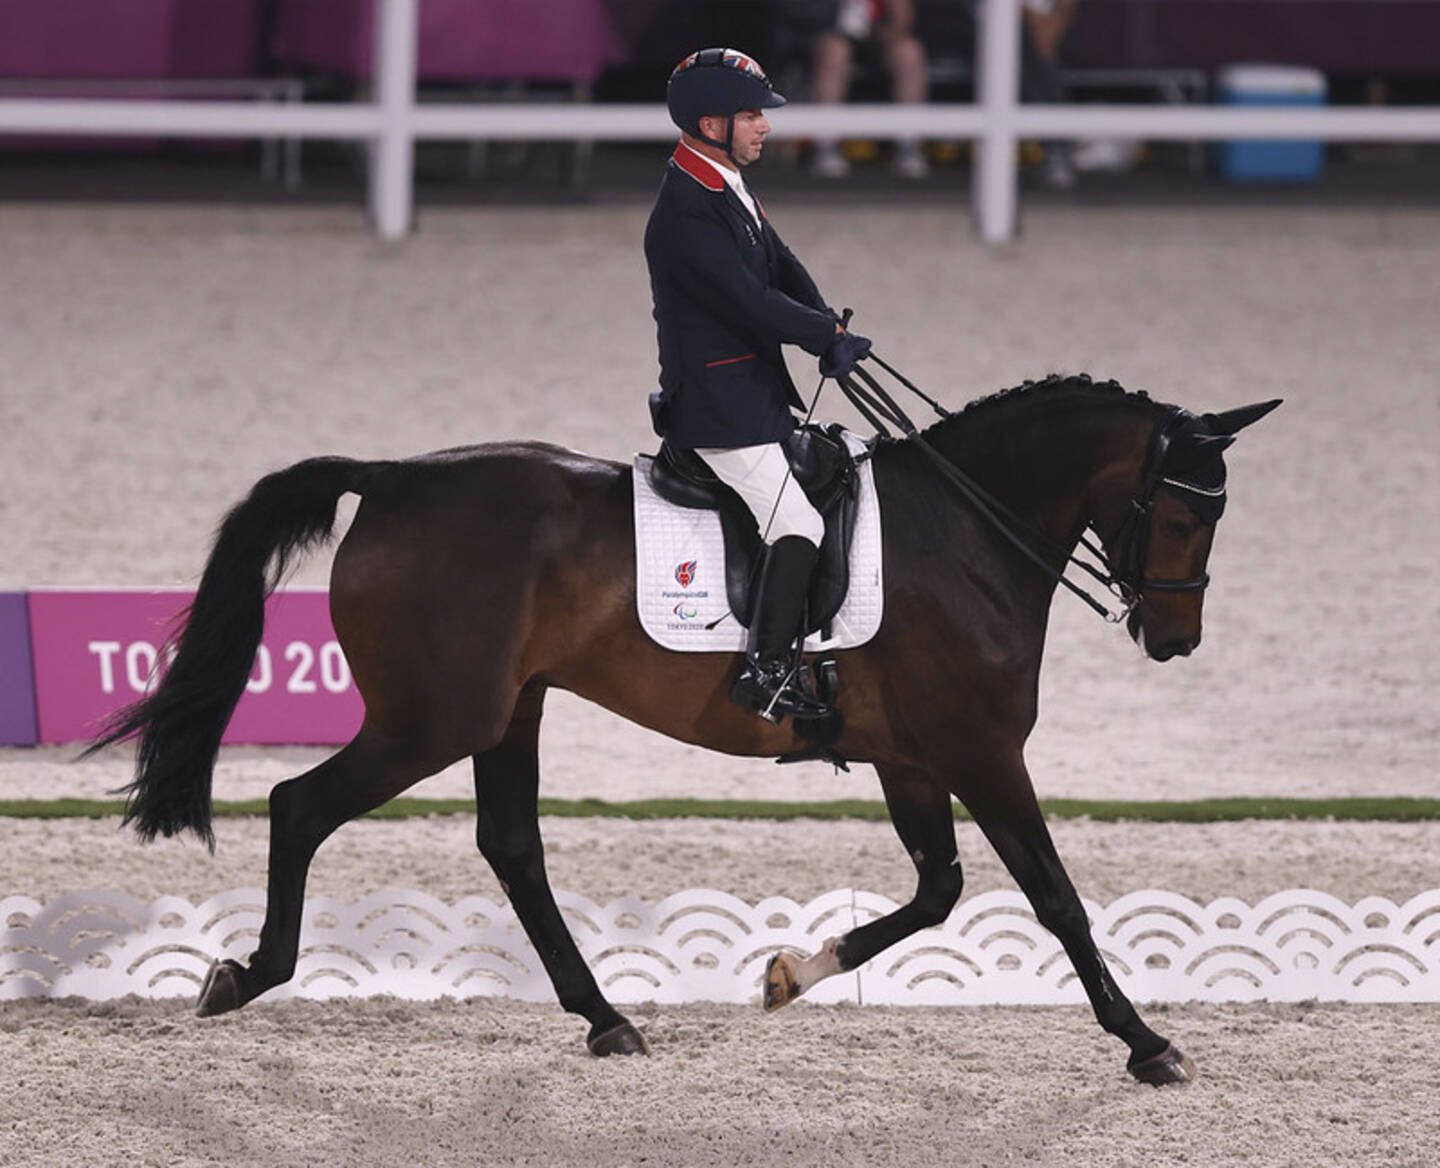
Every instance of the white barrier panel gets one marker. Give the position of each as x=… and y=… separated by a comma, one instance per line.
x=702, y=945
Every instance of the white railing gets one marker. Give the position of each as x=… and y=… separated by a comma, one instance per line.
x=704, y=945
x=393, y=121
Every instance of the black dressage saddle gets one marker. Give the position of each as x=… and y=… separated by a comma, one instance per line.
x=828, y=472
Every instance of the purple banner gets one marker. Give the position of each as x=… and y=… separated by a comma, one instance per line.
x=17, y=687
x=457, y=40
x=131, y=38
x=95, y=652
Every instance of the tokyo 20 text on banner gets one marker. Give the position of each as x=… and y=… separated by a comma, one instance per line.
x=95, y=651
x=17, y=686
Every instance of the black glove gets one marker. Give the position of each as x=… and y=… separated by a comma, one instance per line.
x=845, y=352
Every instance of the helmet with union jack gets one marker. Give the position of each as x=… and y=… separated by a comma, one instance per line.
x=717, y=83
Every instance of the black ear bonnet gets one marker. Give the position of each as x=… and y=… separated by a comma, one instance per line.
x=1186, y=455
x=1192, y=465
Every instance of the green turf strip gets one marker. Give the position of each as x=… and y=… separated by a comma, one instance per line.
x=1397, y=810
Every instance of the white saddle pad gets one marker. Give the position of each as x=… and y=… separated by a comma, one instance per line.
x=680, y=573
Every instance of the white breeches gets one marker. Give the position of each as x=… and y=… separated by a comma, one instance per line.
x=761, y=476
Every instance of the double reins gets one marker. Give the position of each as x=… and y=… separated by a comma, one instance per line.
x=878, y=407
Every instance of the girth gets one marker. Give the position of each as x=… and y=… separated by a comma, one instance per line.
x=825, y=469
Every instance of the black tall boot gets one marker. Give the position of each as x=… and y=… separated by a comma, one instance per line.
x=766, y=683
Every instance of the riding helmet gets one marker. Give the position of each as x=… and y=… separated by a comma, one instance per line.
x=717, y=83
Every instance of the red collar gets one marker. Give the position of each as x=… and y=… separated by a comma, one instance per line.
x=698, y=167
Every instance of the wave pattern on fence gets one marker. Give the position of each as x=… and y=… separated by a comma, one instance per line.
x=703, y=945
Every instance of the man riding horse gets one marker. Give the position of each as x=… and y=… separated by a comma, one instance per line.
x=728, y=293
x=453, y=654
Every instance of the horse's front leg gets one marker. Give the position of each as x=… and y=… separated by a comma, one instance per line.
x=1010, y=817
x=920, y=810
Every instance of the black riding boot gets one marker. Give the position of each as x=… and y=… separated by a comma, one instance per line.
x=766, y=684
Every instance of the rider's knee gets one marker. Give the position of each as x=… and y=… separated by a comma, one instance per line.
x=797, y=519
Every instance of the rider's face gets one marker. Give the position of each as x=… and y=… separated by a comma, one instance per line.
x=751, y=127
x=748, y=139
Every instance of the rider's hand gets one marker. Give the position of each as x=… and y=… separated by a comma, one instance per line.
x=845, y=352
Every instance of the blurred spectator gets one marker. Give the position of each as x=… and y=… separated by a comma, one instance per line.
x=872, y=30
x=1044, y=25
x=1043, y=28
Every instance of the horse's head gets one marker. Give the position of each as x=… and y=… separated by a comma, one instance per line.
x=1160, y=546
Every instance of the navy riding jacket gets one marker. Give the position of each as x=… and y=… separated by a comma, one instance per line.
x=728, y=294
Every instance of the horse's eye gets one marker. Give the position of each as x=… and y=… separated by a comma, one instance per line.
x=1176, y=528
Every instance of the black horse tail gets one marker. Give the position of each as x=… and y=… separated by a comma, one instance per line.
x=179, y=725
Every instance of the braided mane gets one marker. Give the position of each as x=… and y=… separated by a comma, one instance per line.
x=1054, y=390
x=1054, y=384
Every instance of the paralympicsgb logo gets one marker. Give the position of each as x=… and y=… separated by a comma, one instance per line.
x=685, y=572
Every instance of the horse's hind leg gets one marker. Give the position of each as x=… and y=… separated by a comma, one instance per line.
x=507, y=784
x=304, y=812
x=1012, y=821
x=920, y=810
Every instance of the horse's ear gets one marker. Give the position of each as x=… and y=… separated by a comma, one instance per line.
x=1232, y=421
x=1191, y=448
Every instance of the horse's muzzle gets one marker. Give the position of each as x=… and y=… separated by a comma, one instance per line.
x=1181, y=647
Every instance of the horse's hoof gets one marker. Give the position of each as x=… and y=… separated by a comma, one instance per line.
x=782, y=981
x=221, y=992
x=621, y=1039
x=1167, y=1067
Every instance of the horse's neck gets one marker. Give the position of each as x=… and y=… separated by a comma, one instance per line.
x=1049, y=458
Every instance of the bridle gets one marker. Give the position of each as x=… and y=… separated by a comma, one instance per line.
x=1133, y=538
x=1123, y=577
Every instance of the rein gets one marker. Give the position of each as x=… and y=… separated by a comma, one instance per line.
x=1125, y=586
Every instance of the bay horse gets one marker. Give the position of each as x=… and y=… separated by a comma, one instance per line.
x=473, y=580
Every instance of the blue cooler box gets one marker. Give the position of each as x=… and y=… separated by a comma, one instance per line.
x=1267, y=161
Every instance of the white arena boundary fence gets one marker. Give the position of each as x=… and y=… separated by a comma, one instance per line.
x=702, y=945
x=394, y=121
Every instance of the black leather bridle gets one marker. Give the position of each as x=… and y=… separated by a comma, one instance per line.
x=1133, y=538
x=1122, y=577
